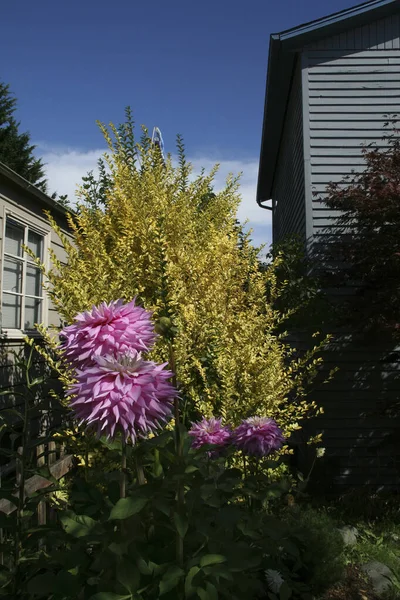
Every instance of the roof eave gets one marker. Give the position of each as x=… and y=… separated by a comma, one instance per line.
x=277, y=87
x=33, y=190
x=283, y=50
x=358, y=16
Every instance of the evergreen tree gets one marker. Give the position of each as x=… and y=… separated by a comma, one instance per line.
x=16, y=151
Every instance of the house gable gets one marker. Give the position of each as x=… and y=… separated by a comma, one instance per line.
x=371, y=24
x=351, y=88
x=381, y=34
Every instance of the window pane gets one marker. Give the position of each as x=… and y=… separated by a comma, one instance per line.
x=12, y=275
x=14, y=238
x=33, y=281
x=11, y=311
x=33, y=312
x=35, y=243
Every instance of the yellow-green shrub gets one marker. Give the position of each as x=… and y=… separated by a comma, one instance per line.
x=165, y=238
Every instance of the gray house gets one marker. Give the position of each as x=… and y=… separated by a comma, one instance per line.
x=24, y=301
x=330, y=85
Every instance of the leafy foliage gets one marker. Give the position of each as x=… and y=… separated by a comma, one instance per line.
x=95, y=190
x=16, y=150
x=324, y=547
x=364, y=253
x=110, y=547
x=25, y=408
x=300, y=299
x=155, y=231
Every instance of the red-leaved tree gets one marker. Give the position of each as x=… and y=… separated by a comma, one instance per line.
x=365, y=246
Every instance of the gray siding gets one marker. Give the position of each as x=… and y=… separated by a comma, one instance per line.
x=378, y=35
x=349, y=97
x=288, y=193
x=360, y=432
x=26, y=209
x=16, y=201
x=350, y=83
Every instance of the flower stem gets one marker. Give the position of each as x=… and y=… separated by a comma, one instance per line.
x=21, y=461
x=180, y=494
x=123, y=468
x=246, y=498
x=140, y=471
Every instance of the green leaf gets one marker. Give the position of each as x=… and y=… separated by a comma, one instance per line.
x=285, y=591
x=181, y=524
x=38, y=381
x=275, y=490
x=119, y=549
x=144, y=568
x=189, y=589
x=191, y=469
x=211, y=591
x=212, y=559
x=171, y=579
x=127, y=507
x=111, y=445
x=77, y=525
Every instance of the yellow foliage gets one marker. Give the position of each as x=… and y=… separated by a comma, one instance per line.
x=167, y=240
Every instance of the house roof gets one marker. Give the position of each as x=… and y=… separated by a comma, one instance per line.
x=283, y=51
x=32, y=190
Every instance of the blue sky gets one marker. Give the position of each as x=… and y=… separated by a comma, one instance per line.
x=197, y=68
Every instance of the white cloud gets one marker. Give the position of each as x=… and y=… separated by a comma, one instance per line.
x=66, y=166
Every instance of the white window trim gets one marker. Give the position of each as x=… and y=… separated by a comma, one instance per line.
x=24, y=222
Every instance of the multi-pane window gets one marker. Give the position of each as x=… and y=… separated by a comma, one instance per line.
x=22, y=292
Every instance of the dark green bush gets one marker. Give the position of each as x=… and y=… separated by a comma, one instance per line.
x=322, y=547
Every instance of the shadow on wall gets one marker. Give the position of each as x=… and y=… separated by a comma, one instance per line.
x=361, y=420
x=360, y=424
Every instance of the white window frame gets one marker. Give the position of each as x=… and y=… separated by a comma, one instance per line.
x=27, y=224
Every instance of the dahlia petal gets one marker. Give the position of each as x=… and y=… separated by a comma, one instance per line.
x=209, y=431
x=129, y=395
x=107, y=329
x=258, y=436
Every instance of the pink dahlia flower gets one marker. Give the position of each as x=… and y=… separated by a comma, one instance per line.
x=258, y=436
x=106, y=330
x=123, y=393
x=209, y=431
